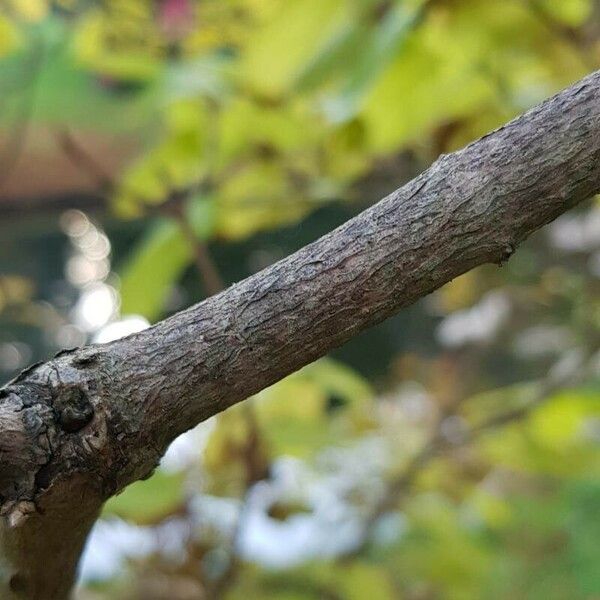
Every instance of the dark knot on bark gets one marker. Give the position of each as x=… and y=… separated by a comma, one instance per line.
x=73, y=409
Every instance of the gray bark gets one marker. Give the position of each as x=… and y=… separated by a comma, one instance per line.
x=79, y=428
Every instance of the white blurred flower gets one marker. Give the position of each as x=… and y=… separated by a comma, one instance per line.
x=476, y=325
x=576, y=232
x=109, y=544
x=542, y=340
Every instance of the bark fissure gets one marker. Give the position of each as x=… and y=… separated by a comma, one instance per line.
x=76, y=430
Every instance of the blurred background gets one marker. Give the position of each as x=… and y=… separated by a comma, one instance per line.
x=153, y=152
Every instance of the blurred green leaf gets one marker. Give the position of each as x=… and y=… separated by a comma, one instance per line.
x=159, y=260
x=583, y=525
x=325, y=402
x=44, y=73
x=556, y=438
x=277, y=52
x=9, y=36
x=572, y=12
x=384, y=42
x=150, y=501
x=335, y=58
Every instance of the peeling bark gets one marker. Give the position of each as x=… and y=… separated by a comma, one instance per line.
x=79, y=428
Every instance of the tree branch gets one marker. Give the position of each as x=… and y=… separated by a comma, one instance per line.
x=205, y=265
x=79, y=428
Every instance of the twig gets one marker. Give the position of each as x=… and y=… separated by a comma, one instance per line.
x=557, y=378
x=571, y=35
x=213, y=283
x=82, y=159
x=172, y=207
x=255, y=472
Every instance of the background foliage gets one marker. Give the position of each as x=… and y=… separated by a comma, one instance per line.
x=449, y=453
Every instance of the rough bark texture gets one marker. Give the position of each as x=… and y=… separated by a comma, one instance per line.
x=79, y=428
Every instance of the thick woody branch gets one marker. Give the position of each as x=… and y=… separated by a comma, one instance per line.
x=79, y=428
